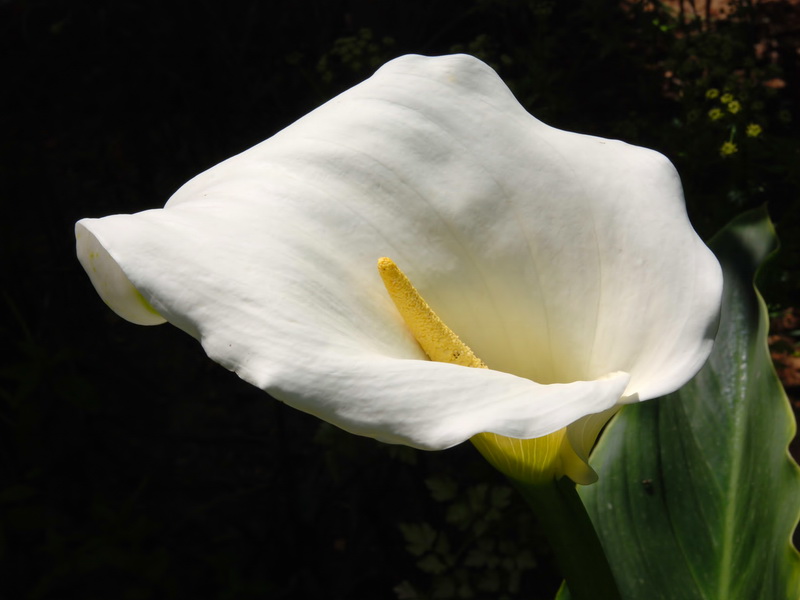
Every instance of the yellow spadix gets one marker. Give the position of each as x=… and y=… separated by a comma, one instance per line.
x=534, y=460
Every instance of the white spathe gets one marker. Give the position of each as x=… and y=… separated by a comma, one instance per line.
x=566, y=262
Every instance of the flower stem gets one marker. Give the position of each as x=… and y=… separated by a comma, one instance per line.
x=572, y=537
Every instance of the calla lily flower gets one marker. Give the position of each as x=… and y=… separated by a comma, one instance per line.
x=566, y=262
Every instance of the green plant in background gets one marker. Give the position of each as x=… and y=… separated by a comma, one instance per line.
x=483, y=547
x=356, y=54
x=731, y=134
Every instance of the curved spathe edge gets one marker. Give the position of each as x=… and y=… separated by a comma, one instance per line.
x=110, y=281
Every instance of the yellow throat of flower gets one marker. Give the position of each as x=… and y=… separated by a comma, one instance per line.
x=535, y=460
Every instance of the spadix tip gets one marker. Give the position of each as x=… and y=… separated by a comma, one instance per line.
x=385, y=264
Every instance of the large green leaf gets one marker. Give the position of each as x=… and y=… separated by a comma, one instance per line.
x=698, y=496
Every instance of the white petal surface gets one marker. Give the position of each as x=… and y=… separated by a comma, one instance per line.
x=111, y=283
x=558, y=258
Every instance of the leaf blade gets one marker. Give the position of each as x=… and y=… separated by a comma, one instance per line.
x=698, y=496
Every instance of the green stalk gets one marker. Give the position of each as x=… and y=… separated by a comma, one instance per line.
x=572, y=538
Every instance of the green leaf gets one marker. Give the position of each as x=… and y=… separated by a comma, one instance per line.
x=442, y=488
x=420, y=537
x=698, y=496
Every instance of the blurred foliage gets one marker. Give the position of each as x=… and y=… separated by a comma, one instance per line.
x=482, y=554
x=356, y=53
x=483, y=549
x=130, y=465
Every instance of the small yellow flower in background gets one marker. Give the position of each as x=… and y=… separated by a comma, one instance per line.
x=726, y=98
x=728, y=148
x=715, y=114
x=754, y=130
x=734, y=106
x=712, y=93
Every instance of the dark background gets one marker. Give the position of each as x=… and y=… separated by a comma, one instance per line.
x=130, y=465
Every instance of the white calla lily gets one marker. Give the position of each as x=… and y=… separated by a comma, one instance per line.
x=566, y=262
